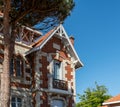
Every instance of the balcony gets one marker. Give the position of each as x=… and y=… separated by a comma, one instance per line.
x=60, y=84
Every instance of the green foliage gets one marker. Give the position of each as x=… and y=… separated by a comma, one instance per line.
x=45, y=12
x=93, y=97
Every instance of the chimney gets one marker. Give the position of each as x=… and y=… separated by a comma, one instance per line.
x=72, y=40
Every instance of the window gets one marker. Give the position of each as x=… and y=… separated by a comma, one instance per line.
x=16, y=102
x=57, y=103
x=57, y=74
x=11, y=66
x=16, y=67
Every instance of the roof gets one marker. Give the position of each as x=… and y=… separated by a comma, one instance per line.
x=42, y=39
x=60, y=32
x=113, y=100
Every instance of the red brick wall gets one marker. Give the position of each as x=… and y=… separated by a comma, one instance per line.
x=71, y=101
x=44, y=71
x=44, y=98
x=49, y=45
x=63, y=55
x=48, y=48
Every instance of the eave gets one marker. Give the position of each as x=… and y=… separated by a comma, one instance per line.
x=63, y=35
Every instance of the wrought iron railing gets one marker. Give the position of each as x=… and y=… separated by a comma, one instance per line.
x=60, y=84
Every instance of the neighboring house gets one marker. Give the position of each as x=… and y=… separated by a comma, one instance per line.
x=112, y=102
x=42, y=71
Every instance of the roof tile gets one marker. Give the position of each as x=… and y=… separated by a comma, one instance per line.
x=40, y=41
x=116, y=98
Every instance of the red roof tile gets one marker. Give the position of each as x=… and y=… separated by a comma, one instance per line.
x=113, y=99
x=40, y=41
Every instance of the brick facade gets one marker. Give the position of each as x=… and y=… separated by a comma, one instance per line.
x=37, y=85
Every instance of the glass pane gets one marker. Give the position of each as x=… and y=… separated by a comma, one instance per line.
x=18, y=99
x=13, y=99
x=57, y=103
x=57, y=69
x=18, y=67
x=13, y=105
x=11, y=66
x=19, y=104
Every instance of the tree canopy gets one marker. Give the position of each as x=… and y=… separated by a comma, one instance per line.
x=93, y=97
x=46, y=13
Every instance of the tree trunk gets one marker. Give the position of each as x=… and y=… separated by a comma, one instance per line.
x=5, y=76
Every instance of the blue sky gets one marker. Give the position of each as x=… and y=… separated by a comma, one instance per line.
x=95, y=25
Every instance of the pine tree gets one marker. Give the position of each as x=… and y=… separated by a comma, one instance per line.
x=46, y=13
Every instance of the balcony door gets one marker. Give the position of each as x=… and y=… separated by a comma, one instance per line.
x=57, y=103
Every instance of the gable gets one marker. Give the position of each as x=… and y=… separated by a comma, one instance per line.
x=59, y=33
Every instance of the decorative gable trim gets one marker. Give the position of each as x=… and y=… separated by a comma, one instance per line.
x=61, y=33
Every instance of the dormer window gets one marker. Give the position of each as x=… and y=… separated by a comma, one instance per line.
x=57, y=72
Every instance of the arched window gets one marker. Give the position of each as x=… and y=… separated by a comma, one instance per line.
x=58, y=103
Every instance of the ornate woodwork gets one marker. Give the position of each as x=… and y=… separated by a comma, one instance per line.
x=60, y=84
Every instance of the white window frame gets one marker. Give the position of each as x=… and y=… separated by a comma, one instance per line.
x=16, y=101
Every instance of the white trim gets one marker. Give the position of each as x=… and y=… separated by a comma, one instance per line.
x=60, y=91
x=71, y=45
x=114, y=102
x=43, y=43
x=52, y=90
x=35, y=31
x=80, y=64
x=16, y=102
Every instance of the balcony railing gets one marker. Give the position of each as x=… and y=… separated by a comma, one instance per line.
x=23, y=34
x=60, y=84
